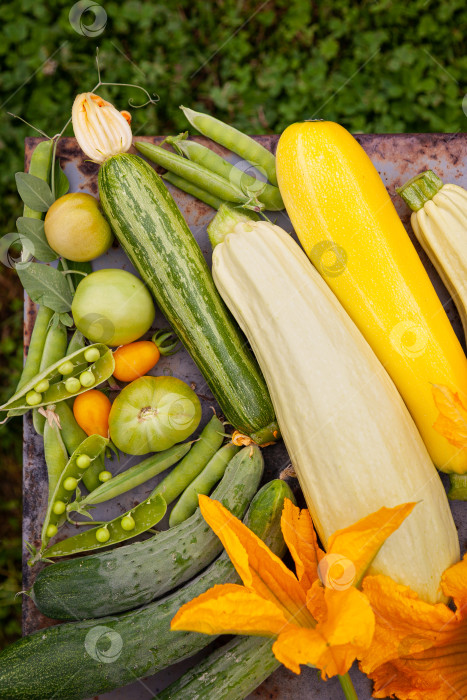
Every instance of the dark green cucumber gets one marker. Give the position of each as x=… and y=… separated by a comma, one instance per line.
x=156, y=238
x=231, y=672
x=132, y=575
x=82, y=659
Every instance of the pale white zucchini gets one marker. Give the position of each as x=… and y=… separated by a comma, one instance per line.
x=351, y=440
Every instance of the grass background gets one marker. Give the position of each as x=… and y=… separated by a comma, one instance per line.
x=380, y=66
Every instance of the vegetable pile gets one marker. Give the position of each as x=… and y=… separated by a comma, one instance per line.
x=355, y=366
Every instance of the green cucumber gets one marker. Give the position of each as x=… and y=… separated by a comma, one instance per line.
x=130, y=576
x=231, y=672
x=156, y=238
x=82, y=659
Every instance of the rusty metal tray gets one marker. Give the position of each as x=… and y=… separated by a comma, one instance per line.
x=397, y=158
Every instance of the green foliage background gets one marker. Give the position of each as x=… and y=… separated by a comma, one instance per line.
x=379, y=66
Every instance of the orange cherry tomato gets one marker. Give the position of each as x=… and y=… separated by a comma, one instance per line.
x=134, y=360
x=91, y=411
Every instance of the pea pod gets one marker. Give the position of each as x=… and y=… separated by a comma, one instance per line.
x=56, y=455
x=209, y=441
x=40, y=166
x=54, y=349
x=66, y=485
x=204, y=483
x=251, y=186
x=141, y=518
x=194, y=190
x=101, y=370
x=36, y=346
x=234, y=140
x=132, y=477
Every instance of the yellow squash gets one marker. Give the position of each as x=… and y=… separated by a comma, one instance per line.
x=350, y=230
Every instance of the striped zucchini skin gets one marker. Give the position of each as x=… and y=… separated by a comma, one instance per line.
x=81, y=659
x=130, y=576
x=156, y=238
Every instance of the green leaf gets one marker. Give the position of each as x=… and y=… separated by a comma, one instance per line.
x=33, y=231
x=66, y=320
x=45, y=285
x=35, y=193
x=62, y=184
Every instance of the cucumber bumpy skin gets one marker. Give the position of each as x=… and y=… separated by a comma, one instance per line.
x=81, y=659
x=125, y=578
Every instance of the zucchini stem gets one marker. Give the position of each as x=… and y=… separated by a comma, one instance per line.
x=348, y=687
x=458, y=490
x=225, y=221
x=420, y=189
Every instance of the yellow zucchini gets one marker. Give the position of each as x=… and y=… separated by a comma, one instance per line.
x=351, y=440
x=349, y=228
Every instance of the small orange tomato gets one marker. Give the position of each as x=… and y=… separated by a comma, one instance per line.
x=91, y=411
x=134, y=360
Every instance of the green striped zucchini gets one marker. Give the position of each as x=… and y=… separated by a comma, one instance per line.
x=82, y=659
x=231, y=672
x=129, y=576
x=156, y=238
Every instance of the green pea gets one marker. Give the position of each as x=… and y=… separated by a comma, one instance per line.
x=70, y=483
x=72, y=385
x=102, y=534
x=66, y=368
x=91, y=354
x=83, y=461
x=42, y=386
x=52, y=530
x=33, y=398
x=128, y=522
x=58, y=508
x=105, y=476
x=87, y=378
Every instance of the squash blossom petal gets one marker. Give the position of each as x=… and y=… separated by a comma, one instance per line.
x=316, y=616
x=419, y=651
x=100, y=129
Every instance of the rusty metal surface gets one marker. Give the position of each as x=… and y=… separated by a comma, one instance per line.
x=397, y=157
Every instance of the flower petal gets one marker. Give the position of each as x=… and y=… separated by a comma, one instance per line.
x=299, y=645
x=403, y=621
x=260, y=570
x=454, y=585
x=300, y=538
x=334, y=644
x=359, y=543
x=452, y=420
x=230, y=609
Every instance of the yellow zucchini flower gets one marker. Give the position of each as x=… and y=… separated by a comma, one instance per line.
x=317, y=616
x=100, y=129
x=419, y=651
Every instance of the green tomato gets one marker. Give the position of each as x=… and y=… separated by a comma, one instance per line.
x=152, y=414
x=112, y=307
x=76, y=229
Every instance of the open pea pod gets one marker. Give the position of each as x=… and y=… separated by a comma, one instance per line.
x=137, y=520
x=81, y=459
x=31, y=395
